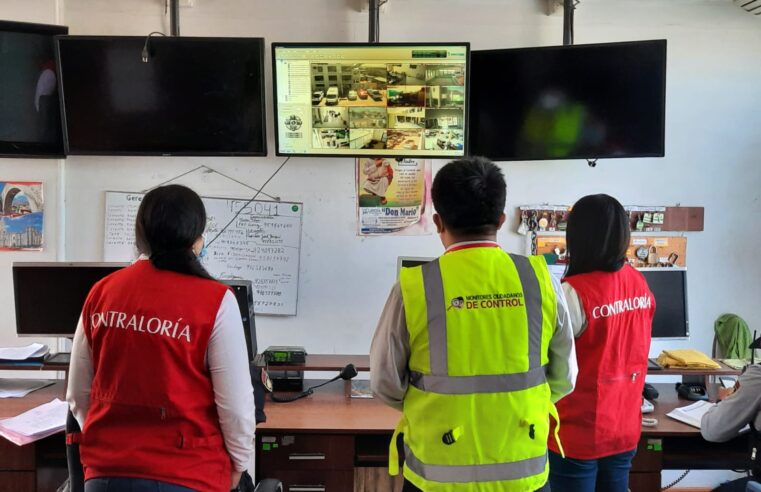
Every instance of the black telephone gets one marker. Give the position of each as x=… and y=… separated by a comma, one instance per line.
x=692, y=391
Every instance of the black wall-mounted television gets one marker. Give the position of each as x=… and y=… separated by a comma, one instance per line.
x=371, y=100
x=569, y=102
x=30, y=117
x=191, y=95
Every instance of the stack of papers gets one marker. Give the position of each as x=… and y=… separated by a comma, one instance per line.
x=691, y=414
x=35, y=424
x=19, y=388
x=33, y=351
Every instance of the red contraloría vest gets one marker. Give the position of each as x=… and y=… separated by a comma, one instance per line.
x=152, y=413
x=602, y=416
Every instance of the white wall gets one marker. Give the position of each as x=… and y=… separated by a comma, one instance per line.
x=713, y=117
x=42, y=11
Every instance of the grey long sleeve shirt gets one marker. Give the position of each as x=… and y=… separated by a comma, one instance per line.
x=724, y=421
x=390, y=352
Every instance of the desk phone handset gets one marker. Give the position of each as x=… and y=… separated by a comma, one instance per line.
x=692, y=391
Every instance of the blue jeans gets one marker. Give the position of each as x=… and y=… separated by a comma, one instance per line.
x=609, y=474
x=131, y=485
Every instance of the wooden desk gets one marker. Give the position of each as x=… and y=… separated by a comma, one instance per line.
x=673, y=445
x=327, y=442
x=39, y=466
x=330, y=442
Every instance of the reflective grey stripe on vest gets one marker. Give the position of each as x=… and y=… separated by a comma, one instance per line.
x=437, y=317
x=475, y=473
x=532, y=297
x=464, y=385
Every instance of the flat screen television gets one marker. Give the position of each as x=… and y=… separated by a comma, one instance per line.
x=30, y=115
x=49, y=296
x=379, y=100
x=191, y=96
x=569, y=102
x=669, y=287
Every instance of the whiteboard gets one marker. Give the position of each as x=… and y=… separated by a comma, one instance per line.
x=262, y=244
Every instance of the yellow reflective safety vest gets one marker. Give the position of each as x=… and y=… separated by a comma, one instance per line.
x=476, y=414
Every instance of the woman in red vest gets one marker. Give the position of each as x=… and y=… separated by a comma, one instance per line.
x=159, y=379
x=611, y=309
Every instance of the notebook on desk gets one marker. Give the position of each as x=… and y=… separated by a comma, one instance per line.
x=691, y=414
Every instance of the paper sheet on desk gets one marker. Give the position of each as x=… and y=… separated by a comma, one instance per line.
x=35, y=424
x=691, y=414
x=23, y=353
x=19, y=388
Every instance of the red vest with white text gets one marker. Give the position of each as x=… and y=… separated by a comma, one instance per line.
x=602, y=416
x=152, y=413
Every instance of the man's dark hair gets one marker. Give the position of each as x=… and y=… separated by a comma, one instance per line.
x=469, y=195
x=597, y=236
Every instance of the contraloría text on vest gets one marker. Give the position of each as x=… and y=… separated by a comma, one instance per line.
x=621, y=306
x=153, y=326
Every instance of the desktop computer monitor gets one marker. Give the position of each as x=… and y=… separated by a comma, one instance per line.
x=49, y=296
x=244, y=294
x=669, y=287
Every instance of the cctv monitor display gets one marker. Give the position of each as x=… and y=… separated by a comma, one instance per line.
x=49, y=296
x=396, y=100
x=30, y=116
x=569, y=102
x=163, y=95
x=669, y=287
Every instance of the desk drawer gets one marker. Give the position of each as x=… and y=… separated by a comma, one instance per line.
x=649, y=457
x=315, y=480
x=16, y=458
x=305, y=452
x=18, y=481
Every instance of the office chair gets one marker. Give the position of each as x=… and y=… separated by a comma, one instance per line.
x=76, y=482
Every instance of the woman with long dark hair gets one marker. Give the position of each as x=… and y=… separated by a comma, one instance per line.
x=159, y=379
x=611, y=309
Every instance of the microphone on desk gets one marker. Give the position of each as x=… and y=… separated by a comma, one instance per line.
x=348, y=372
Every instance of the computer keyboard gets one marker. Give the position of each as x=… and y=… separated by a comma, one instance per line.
x=647, y=407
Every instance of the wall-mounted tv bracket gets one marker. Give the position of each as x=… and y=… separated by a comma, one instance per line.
x=174, y=17
x=568, y=7
x=374, y=14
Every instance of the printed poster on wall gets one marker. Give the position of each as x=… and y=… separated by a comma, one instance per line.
x=394, y=197
x=21, y=211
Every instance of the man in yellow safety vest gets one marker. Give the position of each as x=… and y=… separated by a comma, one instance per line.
x=474, y=347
